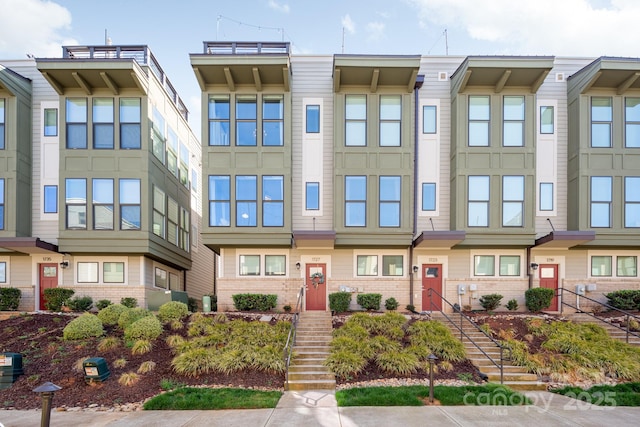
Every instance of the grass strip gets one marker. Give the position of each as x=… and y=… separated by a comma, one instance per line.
x=190, y=398
x=627, y=394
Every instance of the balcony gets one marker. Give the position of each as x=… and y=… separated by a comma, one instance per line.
x=246, y=48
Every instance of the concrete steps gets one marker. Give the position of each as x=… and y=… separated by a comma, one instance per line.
x=615, y=333
x=311, y=348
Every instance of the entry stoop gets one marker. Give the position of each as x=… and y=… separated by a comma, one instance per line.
x=311, y=349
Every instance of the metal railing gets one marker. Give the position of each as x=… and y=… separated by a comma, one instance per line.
x=460, y=328
x=291, y=338
x=246, y=48
x=626, y=314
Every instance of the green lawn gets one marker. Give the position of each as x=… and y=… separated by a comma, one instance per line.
x=627, y=394
x=188, y=398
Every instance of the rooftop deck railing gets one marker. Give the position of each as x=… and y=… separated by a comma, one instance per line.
x=246, y=48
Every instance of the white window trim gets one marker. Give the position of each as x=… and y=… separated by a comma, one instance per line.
x=261, y=253
x=53, y=162
x=312, y=157
x=614, y=264
x=100, y=261
x=547, y=157
x=429, y=155
x=496, y=263
x=379, y=254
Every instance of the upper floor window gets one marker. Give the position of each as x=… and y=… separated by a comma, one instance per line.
x=219, y=201
x=185, y=221
x=2, y=203
x=50, y=121
x=246, y=201
x=478, y=201
x=479, y=117
x=273, y=120
x=246, y=120
x=273, y=201
x=355, y=201
x=50, y=195
x=312, y=196
x=2, y=124
x=429, y=119
x=130, y=129
x=76, y=203
x=513, y=121
x=356, y=120
x=428, y=196
x=219, y=109
x=632, y=201
x=130, y=211
x=601, y=197
x=102, y=123
x=172, y=152
x=601, y=121
x=512, y=201
x=313, y=119
x=102, y=192
x=546, y=196
x=632, y=122
x=390, y=120
x=159, y=212
x=158, y=138
x=390, y=188
x=547, y=125
x=173, y=219
x=76, y=119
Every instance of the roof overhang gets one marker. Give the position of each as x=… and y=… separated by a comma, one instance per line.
x=314, y=239
x=27, y=245
x=375, y=71
x=564, y=239
x=439, y=239
x=620, y=74
x=12, y=82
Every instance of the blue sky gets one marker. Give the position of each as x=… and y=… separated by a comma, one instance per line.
x=174, y=29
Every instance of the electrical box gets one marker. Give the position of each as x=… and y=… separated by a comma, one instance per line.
x=95, y=369
x=10, y=369
x=591, y=287
x=580, y=289
x=473, y=287
x=462, y=289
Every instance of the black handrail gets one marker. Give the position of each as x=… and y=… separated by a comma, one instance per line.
x=608, y=306
x=462, y=333
x=291, y=338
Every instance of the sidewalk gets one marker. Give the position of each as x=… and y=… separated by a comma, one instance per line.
x=318, y=408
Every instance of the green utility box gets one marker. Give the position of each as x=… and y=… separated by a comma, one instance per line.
x=10, y=369
x=95, y=369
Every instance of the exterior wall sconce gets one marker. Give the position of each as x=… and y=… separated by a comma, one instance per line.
x=64, y=264
x=297, y=266
x=534, y=266
x=415, y=268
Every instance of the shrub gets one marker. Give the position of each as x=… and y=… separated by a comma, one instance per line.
x=411, y=308
x=108, y=343
x=537, y=299
x=145, y=328
x=131, y=315
x=391, y=304
x=345, y=363
x=192, y=304
x=128, y=379
x=111, y=313
x=129, y=302
x=80, y=303
x=490, y=302
x=141, y=347
x=86, y=326
x=147, y=366
x=9, y=298
x=250, y=302
x=339, y=301
x=103, y=303
x=172, y=310
x=120, y=363
x=624, y=299
x=401, y=363
x=512, y=305
x=369, y=301
x=55, y=298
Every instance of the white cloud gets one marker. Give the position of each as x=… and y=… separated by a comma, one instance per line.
x=348, y=24
x=279, y=7
x=375, y=30
x=33, y=26
x=550, y=27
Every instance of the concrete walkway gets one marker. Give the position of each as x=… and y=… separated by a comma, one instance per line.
x=318, y=408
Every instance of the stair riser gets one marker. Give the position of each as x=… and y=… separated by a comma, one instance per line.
x=307, y=361
x=308, y=368
x=301, y=376
x=512, y=377
x=310, y=386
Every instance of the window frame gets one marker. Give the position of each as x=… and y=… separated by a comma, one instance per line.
x=215, y=202
x=502, y=267
x=81, y=206
x=46, y=199
x=242, y=261
x=272, y=122
x=477, y=263
x=509, y=200
x=107, y=123
x=603, y=266
x=243, y=121
x=312, y=200
x=3, y=192
x=509, y=121
x=355, y=202
x=88, y=273
x=46, y=128
x=474, y=199
x=283, y=262
x=312, y=111
x=128, y=202
x=72, y=122
x=430, y=126
x=248, y=200
x=429, y=198
x=103, y=204
x=547, y=111
x=219, y=134
x=159, y=212
x=595, y=193
x=598, y=122
x=3, y=121
x=391, y=119
x=273, y=202
x=631, y=202
x=545, y=197
x=128, y=124
x=474, y=121
x=355, y=120
x=393, y=200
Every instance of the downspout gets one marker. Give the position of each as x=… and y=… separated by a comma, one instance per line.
x=528, y=267
x=416, y=88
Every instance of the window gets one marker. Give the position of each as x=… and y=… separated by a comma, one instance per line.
x=160, y=278
x=601, y=201
x=50, y=121
x=272, y=201
x=194, y=181
x=546, y=196
x=103, y=123
x=392, y=265
x=158, y=212
x=184, y=165
x=102, y=204
x=390, y=187
x=367, y=265
x=172, y=221
x=249, y=265
x=2, y=191
x=246, y=120
x=512, y=201
x=428, y=196
x=3, y=272
x=246, y=201
x=185, y=220
x=113, y=272
x=627, y=266
x=547, y=118
x=50, y=199
x=87, y=272
x=76, y=203
x=513, y=121
x=158, y=135
x=484, y=265
x=275, y=265
x=76, y=122
x=219, y=120
x=312, y=196
x=2, y=124
x=390, y=120
x=174, y=282
x=601, y=266
x=172, y=152
x=356, y=120
x=478, y=215
x=429, y=119
x=601, y=118
x=632, y=122
x=479, y=115
x=130, y=133
x=313, y=119
x=130, y=210
x=355, y=201
x=632, y=201
x=219, y=201
x=273, y=120
x=509, y=265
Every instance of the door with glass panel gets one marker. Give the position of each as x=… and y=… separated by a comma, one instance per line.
x=316, y=287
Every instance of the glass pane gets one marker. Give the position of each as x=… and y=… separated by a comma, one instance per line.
x=129, y=110
x=103, y=136
x=390, y=134
x=76, y=110
x=273, y=107
x=392, y=265
x=273, y=214
x=312, y=196
x=219, y=215
x=356, y=188
x=512, y=214
x=627, y=266
x=355, y=213
x=129, y=217
x=130, y=191
x=275, y=265
x=313, y=119
x=546, y=196
x=478, y=134
x=76, y=136
x=367, y=265
x=601, y=266
x=219, y=188
x=50, y=121
x=103, y=110
x=478, y=214
x=87, y=272
x=390, y=188
x=428, y=197
x=246, y=133
x=103, y=217
x=76, y=190
x=218, y=133
x=479, y=108
x=273, y=133
x=484, y=265
x=3, y=272
x=632, y=215
x=249, y=265
x=219, y=107
x=158, y=200
x=600, y=215
x=513, y=134
x=509, y=265
x=246, y=188
x=76, y=216
x=478, y=188
x=429, y=119
x=356, y=134
x=246, y=108
x=103, y=191
x=513, y=188
x=632, y=135
x=272, y=188
x=632, y=109
x=390, y=107
x=546, y=119
x=601, y=134
x=50, y=199
x=389, y=214
x=113, y=272
x=601, y=188
x=130, y=136
x=356, y=107
x=161, y=278
x=632, y=189
x=601, y=109
x=514, y=108
x=246, y=214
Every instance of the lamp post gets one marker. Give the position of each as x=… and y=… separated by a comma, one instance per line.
x=47, y=390
x=432, y=359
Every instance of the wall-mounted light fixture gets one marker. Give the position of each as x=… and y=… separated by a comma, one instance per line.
x=297, y=266
x=415, y=268
x=64, y=264
x=534, y=266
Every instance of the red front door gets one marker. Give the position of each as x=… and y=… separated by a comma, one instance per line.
x=549, y=279
x=431, y=279
x=316, y=292
x=48, y=279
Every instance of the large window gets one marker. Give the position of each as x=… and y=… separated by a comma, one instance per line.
x=130, y=134
x=601, y=120
x=246, y=201
x=275, y=265
x=219, y=201
x=159, y=212
x=219, y=120
x=102, y=204
x=355, y=201
x=601, y=266
x=547, y=125
x=356, y=120
x=429, y=119
x=512, y=201
x=272, y=201
x=428, y=196
x=246, y=120
x=273, y=120
x=484, y=265
x=113, y=272
x=632, y=201
x=390, y=188
x=2, y=124
x=50, y=121
x=76, y=203
x=390, y=120
x=76, y=119
x=392, y=265
x=478, y=205
x=312, y=196
x=509, y=265
x=50, y=195
x=367, y=265
x=632, y=122
x=546, y=196
x=130, y=210
x=627, y=266
x=601, y=198
x=249, y=265
x=479, y=116
x=513, y=121
x=87, y=272
x=313, y=119
x=102, y=123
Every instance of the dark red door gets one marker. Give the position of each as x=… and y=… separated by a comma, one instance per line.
x=48, y=279
x=316, y=284
x=432, y=279
x=549, y=279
